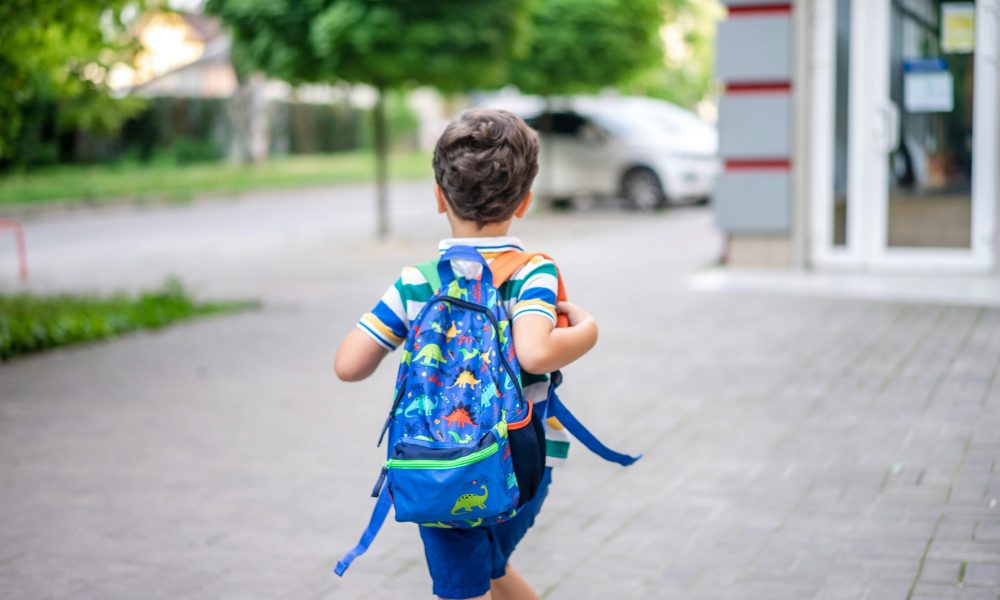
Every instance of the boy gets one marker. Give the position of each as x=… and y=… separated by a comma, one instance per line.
x=484, y=165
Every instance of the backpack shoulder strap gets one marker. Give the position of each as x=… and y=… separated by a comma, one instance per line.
x=429, y=270
x=508, y=263
x=503, y=267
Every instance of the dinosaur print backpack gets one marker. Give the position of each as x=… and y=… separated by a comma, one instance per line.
x=463, y=448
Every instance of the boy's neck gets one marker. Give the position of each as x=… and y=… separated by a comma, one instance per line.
x=469, y=229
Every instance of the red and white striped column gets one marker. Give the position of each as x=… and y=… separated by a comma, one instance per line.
x=754, y=63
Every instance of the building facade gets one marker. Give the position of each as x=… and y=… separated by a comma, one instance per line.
x=860, y=135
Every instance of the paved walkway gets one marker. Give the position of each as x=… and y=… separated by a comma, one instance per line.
x=794, y=447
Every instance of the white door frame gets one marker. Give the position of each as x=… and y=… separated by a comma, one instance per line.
x=872, y=132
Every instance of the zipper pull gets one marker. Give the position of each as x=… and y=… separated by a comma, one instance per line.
x=381, y=480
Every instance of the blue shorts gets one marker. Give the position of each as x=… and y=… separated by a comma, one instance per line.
x=463, y=561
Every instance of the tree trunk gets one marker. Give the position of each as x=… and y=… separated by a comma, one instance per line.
x=248, y=112
x=381, y=164
x=548, y=150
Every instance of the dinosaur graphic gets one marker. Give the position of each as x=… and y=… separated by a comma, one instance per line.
x=508, y=383
x=503, y=331
x=421, y=404
x=423, y=438
x=437, y=328
x=457, y=291
x=460, y=416
x=465, y=379
x=412, y=429
x=460, y=440
x=452, y=332
x=468, y=354
x=406, y=357
x=475, y=523
x=489, y=393
x=438, y=524
x=511, y=480
x=430, y=355
x=491, y=298
x=466, y=502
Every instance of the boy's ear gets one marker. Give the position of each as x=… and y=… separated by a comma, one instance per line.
x=525, y=204
x=442, y=203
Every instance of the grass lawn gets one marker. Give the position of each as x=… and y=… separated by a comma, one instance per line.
x=135, y=181
x=30, y=323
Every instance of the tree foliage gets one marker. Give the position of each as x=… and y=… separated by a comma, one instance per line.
x=62, y=51
x=582, y=46
x=448, y=44
x=686, y=75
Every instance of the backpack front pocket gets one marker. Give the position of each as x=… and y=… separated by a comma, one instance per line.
x=453, y=487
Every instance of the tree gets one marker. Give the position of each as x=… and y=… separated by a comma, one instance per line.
x=582, y=46
x=685, y=76
x=388, y=44
x=62, y=51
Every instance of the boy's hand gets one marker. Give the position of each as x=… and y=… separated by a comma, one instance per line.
x=574, y=313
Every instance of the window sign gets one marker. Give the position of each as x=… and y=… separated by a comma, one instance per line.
x=958, y=27
x=927, y=86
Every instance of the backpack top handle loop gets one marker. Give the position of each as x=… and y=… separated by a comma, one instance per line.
x=469, y=253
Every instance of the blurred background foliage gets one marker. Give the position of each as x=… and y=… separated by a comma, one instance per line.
x=57, y=58
x=59, y=53
x=685, y=74
x=578, y=47
x=184, y=130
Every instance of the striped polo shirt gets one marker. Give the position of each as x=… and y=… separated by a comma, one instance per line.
x=530, y=290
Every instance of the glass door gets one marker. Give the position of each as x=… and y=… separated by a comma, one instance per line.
x=904, y=153
x=931, y=210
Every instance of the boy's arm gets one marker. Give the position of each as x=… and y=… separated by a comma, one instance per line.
x=541, y=348
x=358, y=356
x=378, y=332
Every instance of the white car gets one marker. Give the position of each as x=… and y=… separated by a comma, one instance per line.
x=646, y=151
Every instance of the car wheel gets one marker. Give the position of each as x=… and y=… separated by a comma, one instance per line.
x=642, y=190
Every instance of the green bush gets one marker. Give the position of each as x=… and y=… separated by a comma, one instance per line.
x=30, y=323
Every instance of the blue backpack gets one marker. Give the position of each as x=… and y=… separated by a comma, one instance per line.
x=466, y=449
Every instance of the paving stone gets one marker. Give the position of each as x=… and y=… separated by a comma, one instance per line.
x=988, y=530
x=940, y=571
x=982, y=574
x=887, y=590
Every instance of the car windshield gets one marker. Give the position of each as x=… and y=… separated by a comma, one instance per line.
x=636, y=123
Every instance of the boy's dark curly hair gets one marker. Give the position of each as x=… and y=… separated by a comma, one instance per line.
x=485, y=162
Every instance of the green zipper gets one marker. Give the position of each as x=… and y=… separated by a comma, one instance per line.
x=428, y=463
